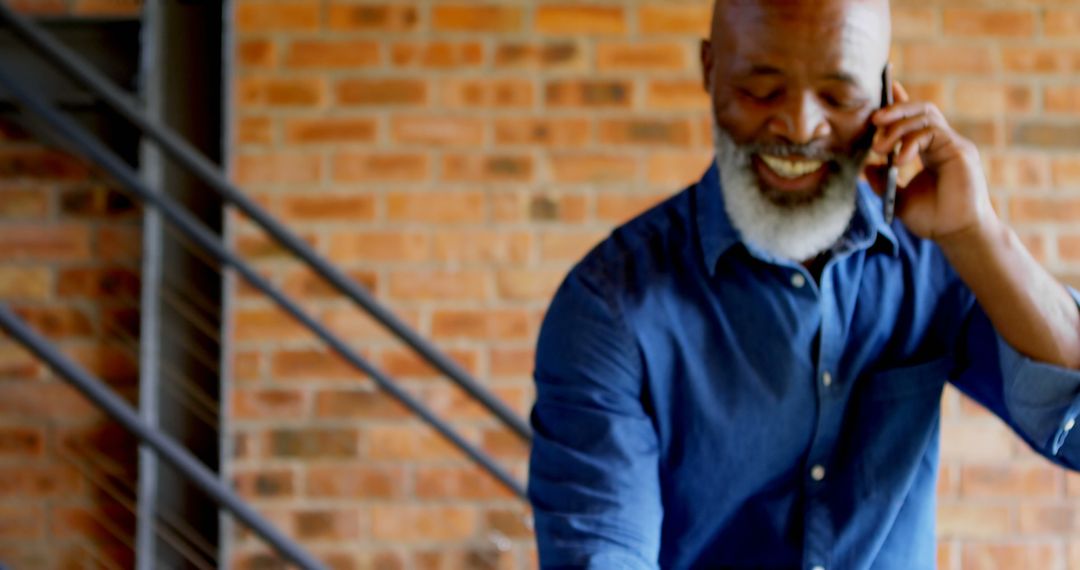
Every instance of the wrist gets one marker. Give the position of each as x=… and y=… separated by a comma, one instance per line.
x=988, y=234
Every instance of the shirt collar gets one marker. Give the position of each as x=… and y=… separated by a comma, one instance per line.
x=717, y=234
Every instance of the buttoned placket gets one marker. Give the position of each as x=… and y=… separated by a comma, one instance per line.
x=818, y=533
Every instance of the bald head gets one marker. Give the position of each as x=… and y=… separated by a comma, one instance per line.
x=729, y=16
x=812, y=29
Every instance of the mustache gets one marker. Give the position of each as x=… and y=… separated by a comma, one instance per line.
x=814, y=150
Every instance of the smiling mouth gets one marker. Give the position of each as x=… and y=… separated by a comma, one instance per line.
x=790, y=173
x=791, y=169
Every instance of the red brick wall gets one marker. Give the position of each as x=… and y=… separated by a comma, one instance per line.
x=69, y=266
x=540, y=126
x=458, y=156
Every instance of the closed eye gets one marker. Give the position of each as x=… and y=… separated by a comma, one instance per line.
x=844, y=100
x=761, y=96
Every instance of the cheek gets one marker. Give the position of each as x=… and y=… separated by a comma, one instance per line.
x=853, y=133
x=743, y=122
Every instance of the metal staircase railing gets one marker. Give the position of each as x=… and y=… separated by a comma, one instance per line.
x=164, y=446
x=85, y=144
x=188, y=157
x=76, y=138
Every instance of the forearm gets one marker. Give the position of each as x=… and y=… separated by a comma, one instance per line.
x=1031, y=310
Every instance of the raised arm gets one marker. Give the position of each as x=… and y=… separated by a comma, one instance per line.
x=1024, y=316
x=948, y=202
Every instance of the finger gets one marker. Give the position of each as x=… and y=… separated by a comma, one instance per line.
x=890, y=135
x=900, y=111
x=900, y=95
x=914, y=145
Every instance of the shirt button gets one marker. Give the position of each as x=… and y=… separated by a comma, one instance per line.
x=1070, y=424
x=826, y=379
x=817, y=473
x=818, y=568
x=797, y=280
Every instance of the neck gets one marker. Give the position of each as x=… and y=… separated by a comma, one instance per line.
x=816, y=265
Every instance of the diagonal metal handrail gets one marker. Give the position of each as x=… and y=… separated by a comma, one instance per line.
x=88, y=146
x=167, y=448
x=190, y=158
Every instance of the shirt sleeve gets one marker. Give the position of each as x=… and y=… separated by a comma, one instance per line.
x=1041, y=402
x=594, y=471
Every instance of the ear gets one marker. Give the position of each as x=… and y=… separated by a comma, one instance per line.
x=706, y=65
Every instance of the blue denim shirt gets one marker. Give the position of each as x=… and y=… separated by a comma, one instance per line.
x=701, y=404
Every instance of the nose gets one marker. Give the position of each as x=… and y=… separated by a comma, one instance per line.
x=800, y=120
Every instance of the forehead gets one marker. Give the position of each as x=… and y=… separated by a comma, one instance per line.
x=833, y=35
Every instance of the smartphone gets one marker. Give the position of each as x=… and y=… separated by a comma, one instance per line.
x=888, y=201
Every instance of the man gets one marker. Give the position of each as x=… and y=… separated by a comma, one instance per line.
x=749, y=374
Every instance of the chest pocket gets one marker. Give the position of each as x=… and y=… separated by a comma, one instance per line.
x=897, y=422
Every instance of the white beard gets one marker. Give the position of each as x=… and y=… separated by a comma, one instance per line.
x=798, y=230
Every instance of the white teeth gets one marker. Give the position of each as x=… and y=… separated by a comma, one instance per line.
x=790, y=168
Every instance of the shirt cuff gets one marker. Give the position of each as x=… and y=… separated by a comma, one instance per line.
x=1043, y=399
